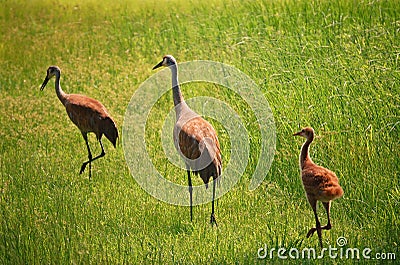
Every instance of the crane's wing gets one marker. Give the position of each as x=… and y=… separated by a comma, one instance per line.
x=322, y=183
x=89, y=115
x=198, y=144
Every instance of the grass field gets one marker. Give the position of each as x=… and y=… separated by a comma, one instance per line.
x=332, y=65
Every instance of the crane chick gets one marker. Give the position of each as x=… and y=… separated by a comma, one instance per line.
x=88, y=114
x=320, y=183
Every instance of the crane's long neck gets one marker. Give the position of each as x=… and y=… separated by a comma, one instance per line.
x=179, y=102
x=304, y=155
x=60, y=93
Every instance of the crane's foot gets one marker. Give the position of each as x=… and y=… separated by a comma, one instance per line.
x=83, y=167
x=213, y=220
x=326, y=227
x=311, y=232
x=319, y=232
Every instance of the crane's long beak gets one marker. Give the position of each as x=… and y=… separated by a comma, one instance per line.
x=158, y=65
x=44, y=83
x=296, y=134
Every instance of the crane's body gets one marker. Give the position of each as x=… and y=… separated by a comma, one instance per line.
x=198, y=142
x=194, y=138
x=320, y=184
x=88, y=114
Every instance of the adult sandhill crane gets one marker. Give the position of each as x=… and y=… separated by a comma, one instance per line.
x=88, y=114
x=320, y=183
x=195, y=139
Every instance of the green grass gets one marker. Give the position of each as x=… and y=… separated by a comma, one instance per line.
x=332, y=65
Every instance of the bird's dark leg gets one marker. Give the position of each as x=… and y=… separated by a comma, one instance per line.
x=102, y=151
x=317, y=227
x=89, y=156
x=190, y=194
x=327, y=206
x=213, y=221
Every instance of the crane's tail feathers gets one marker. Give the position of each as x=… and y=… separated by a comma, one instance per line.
x=211, y=171
x=111, y=131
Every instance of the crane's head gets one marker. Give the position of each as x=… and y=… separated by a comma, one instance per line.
x=167, y=60
x=307, y=132
x=51, y=71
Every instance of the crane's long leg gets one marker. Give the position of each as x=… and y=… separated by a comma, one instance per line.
x=327, y=206
x=190, y=194
x=213, y=221
x=102, y=151
x=90, y=156
x=317, y=227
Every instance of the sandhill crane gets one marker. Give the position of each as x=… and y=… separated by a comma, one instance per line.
x=88, y=114
x=320, y=183
x=195, y=139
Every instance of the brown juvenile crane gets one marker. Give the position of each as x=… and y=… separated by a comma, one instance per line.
x=88, y=114
x=195, y=139
x=320, y=183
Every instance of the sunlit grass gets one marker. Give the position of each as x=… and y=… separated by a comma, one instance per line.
x=332, y=65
